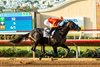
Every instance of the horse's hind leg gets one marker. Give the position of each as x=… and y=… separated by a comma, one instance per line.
x=34, y=46
x=34, y=49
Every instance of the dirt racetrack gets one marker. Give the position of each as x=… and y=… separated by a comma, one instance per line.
x=47, y=62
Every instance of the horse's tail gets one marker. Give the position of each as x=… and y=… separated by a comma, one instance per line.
x=19, y=39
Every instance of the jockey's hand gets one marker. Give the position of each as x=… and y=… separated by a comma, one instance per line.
x=59, y=27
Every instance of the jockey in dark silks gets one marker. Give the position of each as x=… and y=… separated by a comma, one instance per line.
x=53, y=23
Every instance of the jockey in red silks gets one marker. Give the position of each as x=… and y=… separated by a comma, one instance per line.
x=53, y=23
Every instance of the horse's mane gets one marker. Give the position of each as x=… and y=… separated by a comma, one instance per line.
x=65, y=23
x=70, y=21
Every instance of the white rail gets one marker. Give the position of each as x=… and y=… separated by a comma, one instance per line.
x=82, y=33
x=4, y=33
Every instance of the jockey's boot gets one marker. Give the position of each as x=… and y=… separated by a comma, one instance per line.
x=50, y=36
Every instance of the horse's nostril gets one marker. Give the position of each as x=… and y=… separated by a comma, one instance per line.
x=79, y=29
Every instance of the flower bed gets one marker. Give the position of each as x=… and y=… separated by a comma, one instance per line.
x=11, y=52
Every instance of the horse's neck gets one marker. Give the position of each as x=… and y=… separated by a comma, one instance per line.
x=65, y=31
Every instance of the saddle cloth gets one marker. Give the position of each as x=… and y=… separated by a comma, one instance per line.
x=46, y=32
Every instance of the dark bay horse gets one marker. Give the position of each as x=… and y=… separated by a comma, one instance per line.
x=58, y=39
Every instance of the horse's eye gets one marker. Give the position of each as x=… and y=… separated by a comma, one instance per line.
x=75, y=26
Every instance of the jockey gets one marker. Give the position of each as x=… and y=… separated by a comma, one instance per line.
x=53, y=23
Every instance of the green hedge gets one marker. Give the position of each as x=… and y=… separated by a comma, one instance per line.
x=11, y=52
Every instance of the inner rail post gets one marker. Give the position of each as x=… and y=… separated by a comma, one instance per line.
x=76, y=50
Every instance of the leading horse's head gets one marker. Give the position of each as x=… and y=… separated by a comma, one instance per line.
x=73, y=26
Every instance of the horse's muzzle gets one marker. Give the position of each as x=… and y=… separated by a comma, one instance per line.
x=79, y=29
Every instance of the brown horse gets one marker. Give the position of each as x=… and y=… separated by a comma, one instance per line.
x=58, y=39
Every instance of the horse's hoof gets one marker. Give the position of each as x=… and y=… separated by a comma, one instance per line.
x=51, y=58
x=62, y=56
x=40, y=58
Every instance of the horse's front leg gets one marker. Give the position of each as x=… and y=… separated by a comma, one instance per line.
x=67, y=49
x=42, y=51
x=55, y=51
